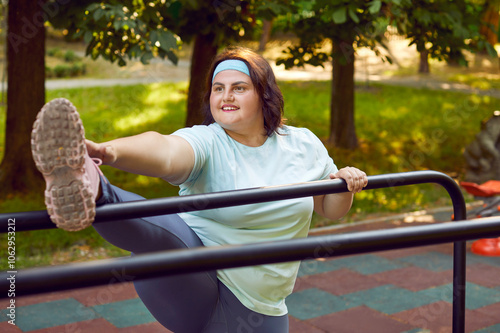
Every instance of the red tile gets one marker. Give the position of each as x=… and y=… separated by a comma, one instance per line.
x=105, y=294
x=492, y=310
x=360, y=319
x=484, y=275
x=145, y=328
x=395, y=254
x=414, y=278
x=437, y=317
x=443, y=248
x=297, y=326
x=476, y=320
x=5, y=327
x=342, y=281
x=302, y=284
x=88, y=326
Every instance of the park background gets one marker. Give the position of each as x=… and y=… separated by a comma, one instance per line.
x=410, y=113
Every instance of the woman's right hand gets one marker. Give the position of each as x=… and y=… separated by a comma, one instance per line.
x=104, y=152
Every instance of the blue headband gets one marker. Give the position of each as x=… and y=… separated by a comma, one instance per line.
x=234, y=64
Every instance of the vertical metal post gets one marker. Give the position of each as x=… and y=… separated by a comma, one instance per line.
x=459, y=259
x=459, y=280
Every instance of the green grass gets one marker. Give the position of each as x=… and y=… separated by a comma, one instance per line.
x=399, y=129
x=481, y=82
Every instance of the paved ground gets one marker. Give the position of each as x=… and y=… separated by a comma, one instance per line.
x=406, y=290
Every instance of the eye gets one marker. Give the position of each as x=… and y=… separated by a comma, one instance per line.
x=217, y=89
x=239, y=88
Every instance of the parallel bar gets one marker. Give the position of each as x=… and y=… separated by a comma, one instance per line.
x=39, y=220
x=175, y=262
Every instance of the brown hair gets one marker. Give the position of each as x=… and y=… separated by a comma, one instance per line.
x=263, y=80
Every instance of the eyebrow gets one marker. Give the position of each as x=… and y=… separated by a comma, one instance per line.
x=232, y=84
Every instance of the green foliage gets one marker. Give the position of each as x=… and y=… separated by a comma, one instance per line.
x=117, y=30
x=345, y=23
x=70, y=56
x=66, y=70
x=443, y=28
x=54, y=52
x=70, y=67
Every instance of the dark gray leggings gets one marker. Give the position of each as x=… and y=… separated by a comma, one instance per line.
x=191, y=303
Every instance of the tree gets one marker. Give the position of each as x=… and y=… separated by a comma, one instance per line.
x=491, y=18
x=117, y=31
x=25, y=95
x=131, y=29
x=346, y=25
x=267, y=27
x=441, y=29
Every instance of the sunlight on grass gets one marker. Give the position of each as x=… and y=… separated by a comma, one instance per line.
x=154, y=102
x=160, y=94
x=481, y=82
x=140, y=118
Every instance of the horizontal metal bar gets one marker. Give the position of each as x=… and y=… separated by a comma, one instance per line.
x=38, y=220
x=110, y=212
x=46, y=279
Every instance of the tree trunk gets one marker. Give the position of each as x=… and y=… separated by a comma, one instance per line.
x=490, y=21
x=342, y=127
x=25, y=95
x=424, y=62
x=266, y=34
x=204, y=51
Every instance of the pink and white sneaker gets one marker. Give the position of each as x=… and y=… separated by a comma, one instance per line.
x=60, y=154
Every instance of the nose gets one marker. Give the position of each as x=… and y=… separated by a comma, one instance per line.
x=228, y=95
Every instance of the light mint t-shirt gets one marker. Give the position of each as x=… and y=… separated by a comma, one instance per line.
x=223, y=164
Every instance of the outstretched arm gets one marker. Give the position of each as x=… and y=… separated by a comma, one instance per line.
x=151, y=154
x=335, y=205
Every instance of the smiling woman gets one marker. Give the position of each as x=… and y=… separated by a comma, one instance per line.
x=236, y=107
x=243, y=143
x=263, y=83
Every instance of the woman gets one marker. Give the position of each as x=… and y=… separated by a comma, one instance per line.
x=243, y=144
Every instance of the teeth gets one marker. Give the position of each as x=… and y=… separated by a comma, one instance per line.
x=229, y=108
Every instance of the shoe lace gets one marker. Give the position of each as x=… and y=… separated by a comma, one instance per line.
x=98, y=162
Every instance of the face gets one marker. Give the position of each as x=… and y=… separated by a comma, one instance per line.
x=235, y=104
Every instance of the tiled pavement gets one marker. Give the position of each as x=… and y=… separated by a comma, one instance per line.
x=406, y=290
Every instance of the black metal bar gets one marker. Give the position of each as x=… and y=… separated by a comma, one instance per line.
x=40, y=220
x=176, y=262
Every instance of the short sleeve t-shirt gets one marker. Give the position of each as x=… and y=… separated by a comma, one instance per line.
x=222, y=164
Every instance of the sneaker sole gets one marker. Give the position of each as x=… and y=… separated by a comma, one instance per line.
x=59, y=150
